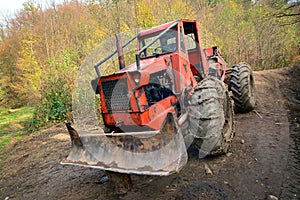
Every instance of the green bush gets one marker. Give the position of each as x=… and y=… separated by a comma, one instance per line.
x=55, y=104
x=56, y=90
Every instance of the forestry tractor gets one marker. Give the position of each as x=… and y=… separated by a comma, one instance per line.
x=174, y=94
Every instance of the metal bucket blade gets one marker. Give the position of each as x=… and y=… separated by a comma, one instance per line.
x=150, y=153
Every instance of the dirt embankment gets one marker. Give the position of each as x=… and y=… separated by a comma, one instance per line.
x=263, y=161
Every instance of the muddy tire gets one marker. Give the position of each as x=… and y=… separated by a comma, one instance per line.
x=211, y=117
x=241, y=82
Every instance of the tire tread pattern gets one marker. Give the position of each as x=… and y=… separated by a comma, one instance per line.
x=206, y=117
x=241, y=83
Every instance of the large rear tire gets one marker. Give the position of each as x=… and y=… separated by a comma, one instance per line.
x=211, y=117
x=241, y=83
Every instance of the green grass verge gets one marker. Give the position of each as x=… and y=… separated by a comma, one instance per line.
x=14, y=120
x=4, y=140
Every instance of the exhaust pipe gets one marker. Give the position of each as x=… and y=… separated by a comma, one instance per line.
x=120, y=52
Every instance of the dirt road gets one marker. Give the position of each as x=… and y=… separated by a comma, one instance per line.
x=264, y=159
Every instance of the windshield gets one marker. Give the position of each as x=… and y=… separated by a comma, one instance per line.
x=167, y=43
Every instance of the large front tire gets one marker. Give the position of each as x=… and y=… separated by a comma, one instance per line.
x=211, y=117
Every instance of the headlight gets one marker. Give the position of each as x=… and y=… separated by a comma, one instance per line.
x=136, y=77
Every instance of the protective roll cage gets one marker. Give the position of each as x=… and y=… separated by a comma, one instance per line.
x=138, y=54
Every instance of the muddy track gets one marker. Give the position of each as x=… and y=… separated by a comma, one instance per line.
x=263, y=161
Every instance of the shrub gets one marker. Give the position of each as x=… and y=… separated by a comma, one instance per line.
x=55, y=104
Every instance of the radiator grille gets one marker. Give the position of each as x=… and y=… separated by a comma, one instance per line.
x=116, y=94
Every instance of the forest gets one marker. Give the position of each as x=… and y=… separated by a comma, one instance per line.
x=41, y=49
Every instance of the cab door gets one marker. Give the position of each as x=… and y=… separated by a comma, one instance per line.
x=185, y=77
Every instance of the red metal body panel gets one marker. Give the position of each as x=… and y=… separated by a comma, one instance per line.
x=153, y=117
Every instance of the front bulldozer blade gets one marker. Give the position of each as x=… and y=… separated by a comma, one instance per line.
x=148, y=153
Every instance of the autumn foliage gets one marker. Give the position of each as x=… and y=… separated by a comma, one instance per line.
x=41, y=49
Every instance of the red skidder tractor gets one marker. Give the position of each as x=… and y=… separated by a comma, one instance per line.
x=174, y=95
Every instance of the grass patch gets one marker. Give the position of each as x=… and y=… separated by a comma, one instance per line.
x=4, y=140
x=14, y=120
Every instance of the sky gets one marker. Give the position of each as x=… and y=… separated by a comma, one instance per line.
x=9, y=7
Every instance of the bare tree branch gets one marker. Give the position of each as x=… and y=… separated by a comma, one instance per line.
x=287, y=15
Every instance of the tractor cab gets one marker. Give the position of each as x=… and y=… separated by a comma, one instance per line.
x=177, y=38
x=165, y=44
